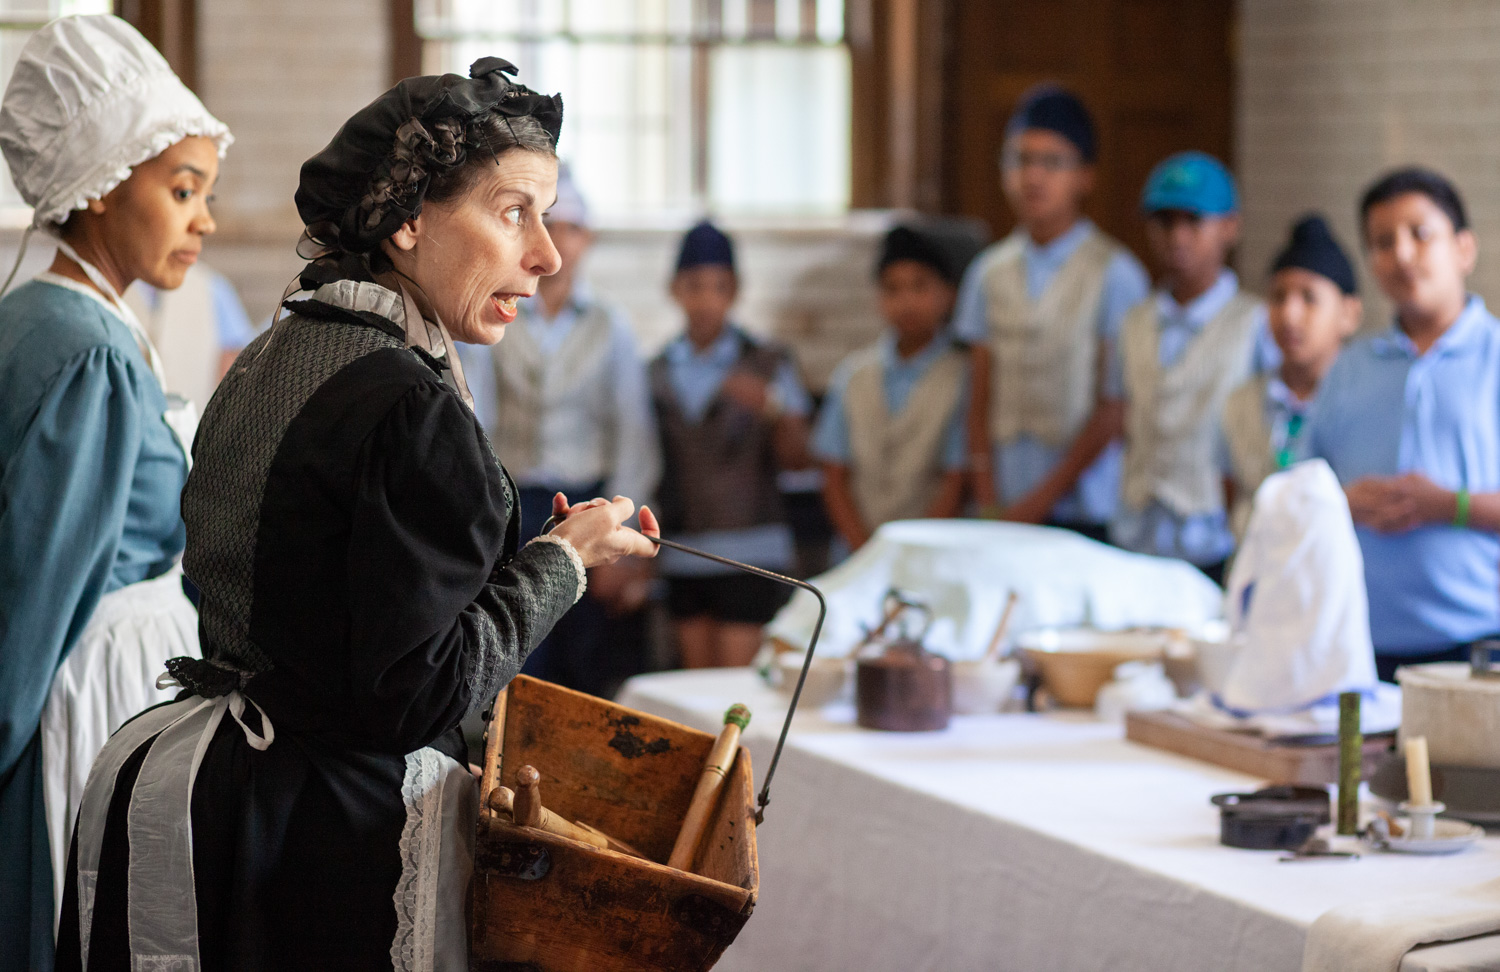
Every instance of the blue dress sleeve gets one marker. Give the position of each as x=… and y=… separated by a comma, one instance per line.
x=63, y=501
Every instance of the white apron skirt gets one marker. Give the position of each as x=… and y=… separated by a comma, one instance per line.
x=108, y=677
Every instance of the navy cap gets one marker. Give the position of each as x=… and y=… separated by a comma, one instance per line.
x=705, y=245
x=1313, y=247
x=1194, y=182
x=945, y=245
x=1055, y=109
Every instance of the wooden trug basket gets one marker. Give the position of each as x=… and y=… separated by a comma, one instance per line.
x=544, y=903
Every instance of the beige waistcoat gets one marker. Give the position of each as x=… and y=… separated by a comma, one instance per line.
x=896, y=464
x=1172, y=419
x=1249, y=439
x=527, y=384
x=1045, y=352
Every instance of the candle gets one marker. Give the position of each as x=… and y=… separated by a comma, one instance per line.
x=1418, y=774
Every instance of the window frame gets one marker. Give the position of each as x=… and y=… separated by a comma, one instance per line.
x=408, y=52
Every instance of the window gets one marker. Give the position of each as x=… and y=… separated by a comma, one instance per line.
x=19, y=19
x=674, y=107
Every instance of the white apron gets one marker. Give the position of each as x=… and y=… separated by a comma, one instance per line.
x=110, y=675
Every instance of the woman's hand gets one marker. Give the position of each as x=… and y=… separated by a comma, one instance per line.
x=596, y=531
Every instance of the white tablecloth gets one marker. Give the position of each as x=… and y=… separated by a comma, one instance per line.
x=1018, y=842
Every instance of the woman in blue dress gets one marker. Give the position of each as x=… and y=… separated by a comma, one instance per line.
x=117, y=158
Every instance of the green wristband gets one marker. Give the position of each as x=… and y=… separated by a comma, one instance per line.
x=1461, y=508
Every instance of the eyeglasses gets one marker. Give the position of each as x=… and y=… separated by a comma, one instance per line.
x=1050, y=162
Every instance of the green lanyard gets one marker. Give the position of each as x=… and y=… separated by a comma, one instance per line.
x=1287, y=454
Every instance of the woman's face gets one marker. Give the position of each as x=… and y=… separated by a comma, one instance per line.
x=474, y=256
x=151, y=226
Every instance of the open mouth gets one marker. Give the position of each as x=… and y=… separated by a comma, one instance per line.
x=505, y=305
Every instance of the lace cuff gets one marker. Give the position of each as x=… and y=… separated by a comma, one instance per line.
x=572, y=552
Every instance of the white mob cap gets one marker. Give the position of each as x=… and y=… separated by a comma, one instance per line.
x=91, y=99
x=570, y=206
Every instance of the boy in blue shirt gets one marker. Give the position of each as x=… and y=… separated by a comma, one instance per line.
x=1409, y=419
x=1181, y=353
x=891, y=432
x=1042, y=309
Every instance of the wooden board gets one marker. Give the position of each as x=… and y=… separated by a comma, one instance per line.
x=1249, y=753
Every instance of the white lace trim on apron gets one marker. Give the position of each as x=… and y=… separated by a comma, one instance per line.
x=437, y=858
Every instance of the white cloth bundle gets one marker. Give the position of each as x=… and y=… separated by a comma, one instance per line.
x=1298, y=611
x=965, y=569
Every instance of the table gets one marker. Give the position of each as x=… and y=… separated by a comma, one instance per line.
x=1030, y=842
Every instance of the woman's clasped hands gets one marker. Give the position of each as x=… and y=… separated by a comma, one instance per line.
x=596, y=529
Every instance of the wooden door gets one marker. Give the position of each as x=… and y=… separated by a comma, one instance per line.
x=1157, y=74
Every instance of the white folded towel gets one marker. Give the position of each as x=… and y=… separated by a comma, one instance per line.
x=1373, y=937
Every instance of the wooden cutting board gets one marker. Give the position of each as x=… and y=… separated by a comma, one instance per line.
x=1249, y=753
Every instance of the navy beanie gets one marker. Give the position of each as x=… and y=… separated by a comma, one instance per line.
x=1055, y=109
x=1312, y=247
x=947, y=246
x=705, y=245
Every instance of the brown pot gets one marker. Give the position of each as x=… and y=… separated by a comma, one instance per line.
x=904, y=689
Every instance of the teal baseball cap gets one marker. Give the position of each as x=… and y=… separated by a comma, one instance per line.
x=1195, y=182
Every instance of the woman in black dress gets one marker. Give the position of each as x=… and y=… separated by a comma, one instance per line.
x=306, y=803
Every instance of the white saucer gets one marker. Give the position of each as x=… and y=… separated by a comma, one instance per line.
x=1448, y=837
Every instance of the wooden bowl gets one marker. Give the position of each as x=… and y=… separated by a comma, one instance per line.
x=1075, y=663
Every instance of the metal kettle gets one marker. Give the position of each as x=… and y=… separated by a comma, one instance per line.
x=904, y=687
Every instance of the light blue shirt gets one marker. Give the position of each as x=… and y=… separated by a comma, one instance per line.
x=696, y=378
x=830, y=442
x=698, y=375
x=1384, y=410
x=570, y=452
x=1203, y=539
x=1022, y=464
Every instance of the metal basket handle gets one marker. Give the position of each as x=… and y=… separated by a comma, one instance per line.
x=765, y=789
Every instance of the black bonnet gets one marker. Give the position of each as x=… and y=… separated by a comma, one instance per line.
x=374, y=174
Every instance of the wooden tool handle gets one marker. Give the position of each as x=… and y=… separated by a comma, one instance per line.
x=1004, y=626
x=715, y=769
x=524, y=806
x=528, y=801
x=493, y=738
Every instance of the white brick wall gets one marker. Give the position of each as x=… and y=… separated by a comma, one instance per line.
x=283, y=74
x=1334, y=92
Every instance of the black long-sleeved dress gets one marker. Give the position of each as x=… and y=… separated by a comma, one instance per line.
x=354, y=539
